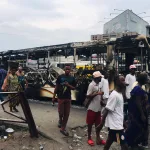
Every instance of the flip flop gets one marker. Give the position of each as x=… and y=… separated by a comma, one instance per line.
x=90, y=142
x=64, y=132
x=102, y=142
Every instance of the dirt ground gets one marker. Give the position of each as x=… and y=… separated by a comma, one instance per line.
x=22, y=141
x=46, y=119
x=77, y=140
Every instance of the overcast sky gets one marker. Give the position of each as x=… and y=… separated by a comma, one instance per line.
x=31, y=23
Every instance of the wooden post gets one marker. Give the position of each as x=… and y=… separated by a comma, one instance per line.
x=74, y=57
x=147, y=68
x=48, y=57
x=91, y=56
x=27, y=58
x=38, y=63
x=98, y=58
x=28, y=115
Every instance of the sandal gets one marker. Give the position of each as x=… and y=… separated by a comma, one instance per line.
x=101, y=142
x=64, y=132
x=90, y=142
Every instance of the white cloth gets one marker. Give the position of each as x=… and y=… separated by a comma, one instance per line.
x=114, y=119
x=104, y=86
x=130, y=79
x=95, y=103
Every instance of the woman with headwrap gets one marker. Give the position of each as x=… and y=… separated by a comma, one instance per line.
x=11, y=84
x=21, y=78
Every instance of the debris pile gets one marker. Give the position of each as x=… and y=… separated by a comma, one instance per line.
x=5, y=133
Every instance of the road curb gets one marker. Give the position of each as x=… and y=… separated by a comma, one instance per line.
x=56, y=104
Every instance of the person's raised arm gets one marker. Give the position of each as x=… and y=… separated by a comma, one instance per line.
x=93, y=94
x=72, y=86
x=69, y=85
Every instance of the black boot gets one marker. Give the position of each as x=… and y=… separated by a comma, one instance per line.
x=15, y=109
x=10, y=109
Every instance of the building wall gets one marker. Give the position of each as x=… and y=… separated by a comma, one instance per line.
x=116, y=25
x=126, y=21
x=137, y=24
x=96, y=37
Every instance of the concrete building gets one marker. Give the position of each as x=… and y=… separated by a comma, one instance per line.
x=96, y=37
x=127, y=22
x=106, y=37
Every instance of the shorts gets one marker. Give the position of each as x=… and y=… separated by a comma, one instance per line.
x=117, y=136
x=93, y=117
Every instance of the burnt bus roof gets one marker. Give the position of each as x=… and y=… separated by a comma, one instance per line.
x=123, y=44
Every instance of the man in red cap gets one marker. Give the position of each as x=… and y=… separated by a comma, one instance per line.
x=94, y=109
x=130, y=80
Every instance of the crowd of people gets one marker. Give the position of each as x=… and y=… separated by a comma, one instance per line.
x=124, y=111
x=12, y=81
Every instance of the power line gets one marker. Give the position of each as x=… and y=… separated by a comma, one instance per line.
x=118, y=10
x=113, y=14
x=108, y=18
x=141, y=13
x=145, y=16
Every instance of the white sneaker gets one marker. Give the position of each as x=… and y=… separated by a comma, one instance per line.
x=144, y=146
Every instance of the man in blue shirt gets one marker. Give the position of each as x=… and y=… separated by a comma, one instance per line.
x=64, y=84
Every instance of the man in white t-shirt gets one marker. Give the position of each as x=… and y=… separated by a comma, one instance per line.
x=130, y=80
x=94, y=109
x=113, y=116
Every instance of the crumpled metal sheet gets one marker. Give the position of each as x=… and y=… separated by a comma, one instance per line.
x=58, y=70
